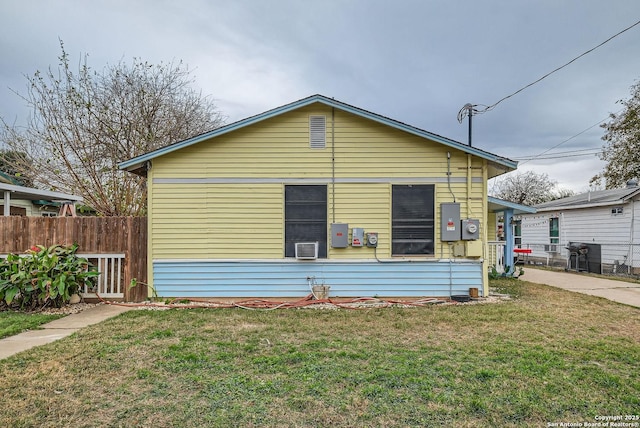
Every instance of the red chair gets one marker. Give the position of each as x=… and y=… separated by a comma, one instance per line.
x=522, y=255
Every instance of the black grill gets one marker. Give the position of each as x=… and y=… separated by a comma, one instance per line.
x=578, y=248
x=578, y=259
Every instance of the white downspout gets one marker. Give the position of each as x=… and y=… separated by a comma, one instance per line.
x=632, y=244
x=7, y=203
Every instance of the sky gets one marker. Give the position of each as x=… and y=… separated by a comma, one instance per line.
x=416, y=61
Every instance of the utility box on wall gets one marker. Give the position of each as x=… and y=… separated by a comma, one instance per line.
x=450, y=222
x=357, y=237
x=339, y=235
x=474, y=248
x=459, y=249
x=470, y=229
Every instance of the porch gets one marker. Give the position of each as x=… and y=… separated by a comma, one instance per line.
x=496, y=256
x=502, y=250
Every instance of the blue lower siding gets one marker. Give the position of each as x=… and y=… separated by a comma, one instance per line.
x=289, y=279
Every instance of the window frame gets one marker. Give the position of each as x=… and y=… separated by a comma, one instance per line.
x=301, y=229
x=401, y=227
x=517, y=233
x=554, y=233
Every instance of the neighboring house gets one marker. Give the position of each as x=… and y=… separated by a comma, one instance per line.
x=594, y=231
x=317, y=191
x=26, y=201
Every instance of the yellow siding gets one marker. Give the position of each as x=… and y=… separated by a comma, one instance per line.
x=366, y=206
x=217, y=221
x=278, y=147
x=381, y=151
x=245, y=220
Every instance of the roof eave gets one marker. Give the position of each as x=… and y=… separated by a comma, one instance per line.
x=581, y=206
x=501, y=204
x=29, y=193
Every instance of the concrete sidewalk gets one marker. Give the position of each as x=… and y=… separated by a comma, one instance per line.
x=58, y=329
x=615, y=290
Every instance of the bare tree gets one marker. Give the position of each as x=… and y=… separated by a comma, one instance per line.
x=622, y=148
x=8, y=158
x=528, y=188
x=84, y=123
x=561, y=192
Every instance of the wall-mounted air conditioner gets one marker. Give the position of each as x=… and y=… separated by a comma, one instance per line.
x=306, y=250
x=551, y=248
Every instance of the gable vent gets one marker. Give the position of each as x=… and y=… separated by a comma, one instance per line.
x=317, y=132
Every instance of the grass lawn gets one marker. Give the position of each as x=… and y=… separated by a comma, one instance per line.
x=547, y=356
x=16, y=322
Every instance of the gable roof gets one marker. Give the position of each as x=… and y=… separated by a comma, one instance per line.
x=138, y=164
x=591, y=199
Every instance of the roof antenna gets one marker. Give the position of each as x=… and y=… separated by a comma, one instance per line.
x=467, y=110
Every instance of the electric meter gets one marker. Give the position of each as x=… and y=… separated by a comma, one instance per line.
x=372, y=239
x=470, y=229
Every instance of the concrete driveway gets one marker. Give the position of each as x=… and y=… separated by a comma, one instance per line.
x=617, y=291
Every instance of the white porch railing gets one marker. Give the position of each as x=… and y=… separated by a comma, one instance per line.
x=109, y=283
x=496, y=255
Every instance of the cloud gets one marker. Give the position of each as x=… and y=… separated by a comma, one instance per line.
x=414, y=61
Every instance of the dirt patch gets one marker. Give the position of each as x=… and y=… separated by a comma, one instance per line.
x=331, y=304
x=82, y=306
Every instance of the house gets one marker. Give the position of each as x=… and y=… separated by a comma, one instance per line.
x=594, y=231
x=317, y=192
x=26, y=201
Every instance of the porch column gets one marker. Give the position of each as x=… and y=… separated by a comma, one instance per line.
x=7, y=203
x=509, y=240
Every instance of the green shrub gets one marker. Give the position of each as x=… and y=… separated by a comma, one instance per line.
x=508, y=272
x=43, y=277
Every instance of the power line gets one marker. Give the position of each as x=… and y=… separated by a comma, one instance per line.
x=568, y=152
x=471, y=108
x=555, y=156
x=568, y=139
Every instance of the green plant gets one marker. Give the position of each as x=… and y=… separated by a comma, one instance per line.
x=43, y=277
x=508, y=272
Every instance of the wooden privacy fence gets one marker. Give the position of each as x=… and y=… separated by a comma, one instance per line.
x=125, y=237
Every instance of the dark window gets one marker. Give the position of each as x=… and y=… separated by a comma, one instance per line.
x=554, y=230
x=412, y=219
x=19, y=211
x=517, y=233
x=305, y=217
